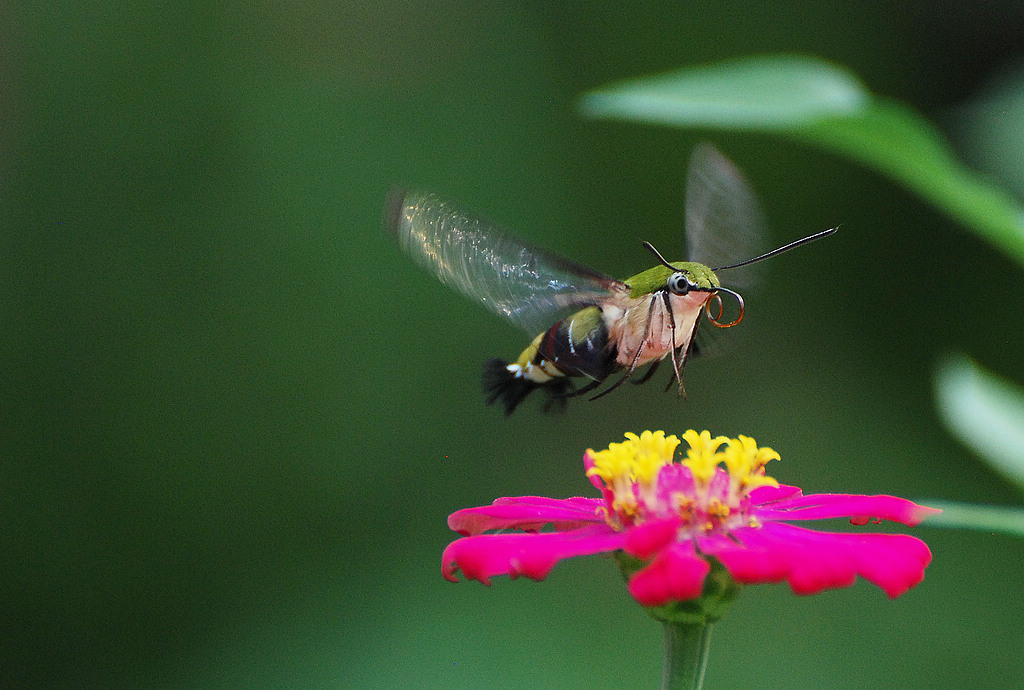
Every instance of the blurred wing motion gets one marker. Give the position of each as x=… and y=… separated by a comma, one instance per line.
x=724, y=221
x=527, y=285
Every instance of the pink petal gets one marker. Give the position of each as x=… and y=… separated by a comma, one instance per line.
x=606, y=493
x=674, y=479
x=768, y=494
x=528, y=513
x=533, y=555
x=823, y=506
x=746, y=563
x=814, y=561
x=676, y=574
x=646, y=539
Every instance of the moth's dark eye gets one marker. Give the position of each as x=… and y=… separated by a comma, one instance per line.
x=678, y=284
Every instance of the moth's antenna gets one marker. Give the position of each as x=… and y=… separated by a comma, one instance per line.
x=650, y=247
x=791, y=245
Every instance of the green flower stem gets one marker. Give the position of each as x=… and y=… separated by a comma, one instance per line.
x=686, y=656
x=687, y=623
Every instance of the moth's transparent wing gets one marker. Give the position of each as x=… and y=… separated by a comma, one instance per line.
x=724, y=221
x=724, y=225
x=529, y=286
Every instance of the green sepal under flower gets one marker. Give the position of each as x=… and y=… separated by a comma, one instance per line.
x=717, y=596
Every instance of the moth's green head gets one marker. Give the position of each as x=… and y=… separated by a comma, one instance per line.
x=678, y=277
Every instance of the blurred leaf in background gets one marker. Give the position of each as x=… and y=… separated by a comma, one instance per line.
x=814, y=101
x=989, y=126
x=986, y=413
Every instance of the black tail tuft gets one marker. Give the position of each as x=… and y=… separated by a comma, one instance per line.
x=502, y=385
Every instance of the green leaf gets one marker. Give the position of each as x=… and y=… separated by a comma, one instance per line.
x=989, y=126
x=759, y=93
x=985, y=412
x=822, y=104
x=976, y=517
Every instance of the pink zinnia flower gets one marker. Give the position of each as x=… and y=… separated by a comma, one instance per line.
x=671, y=516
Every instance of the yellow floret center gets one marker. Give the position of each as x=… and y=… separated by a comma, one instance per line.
x=630, y=470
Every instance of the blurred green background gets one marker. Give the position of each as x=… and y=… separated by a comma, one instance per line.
x=235, y=418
